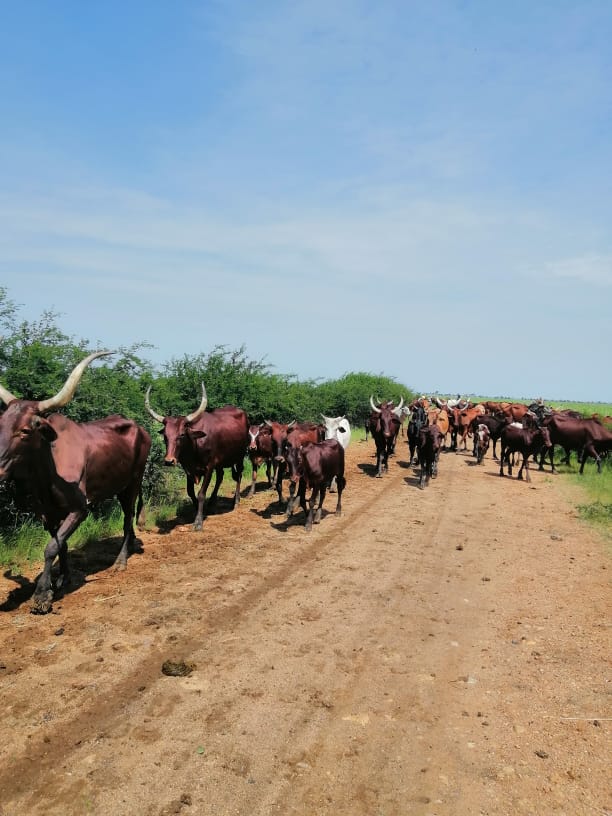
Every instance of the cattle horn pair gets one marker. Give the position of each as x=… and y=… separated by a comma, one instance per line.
x=189, y=418
x=66, y=393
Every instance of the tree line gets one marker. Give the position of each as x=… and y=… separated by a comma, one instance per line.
x=36, y=356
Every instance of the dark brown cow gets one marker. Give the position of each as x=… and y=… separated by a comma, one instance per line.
x=313, y=465
x=384, y=427
x=65, y=466
x=260, y=452
x=278, y=432
x=430, y=444
x=526, y=441
x=203, y=442
x=587, y=436
x=297, y=435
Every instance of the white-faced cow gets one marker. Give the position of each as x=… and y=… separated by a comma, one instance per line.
x=337, y=428
x=66, y=466
x=260, y=453
x=204, y=442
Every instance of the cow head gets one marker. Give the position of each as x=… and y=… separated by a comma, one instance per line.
x=293, y=457
x=387, y=422
x=178, y=432
x=335, y=427
x=24, y=431
x=278, y=432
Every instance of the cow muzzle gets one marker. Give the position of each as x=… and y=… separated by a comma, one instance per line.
x=169, y=462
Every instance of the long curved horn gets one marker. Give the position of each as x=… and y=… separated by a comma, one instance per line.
x=6, y=395
x=325, y=418
x=374, y=408
x=399, y=407
x=158, y=417
x=66, y=393
x=200, y=409
x=268, y=423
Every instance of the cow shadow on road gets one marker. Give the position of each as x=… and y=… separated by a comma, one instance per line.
x=85, y=561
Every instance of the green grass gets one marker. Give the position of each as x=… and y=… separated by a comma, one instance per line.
x=25, y=544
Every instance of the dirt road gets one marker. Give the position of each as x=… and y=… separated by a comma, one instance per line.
x=441, y=652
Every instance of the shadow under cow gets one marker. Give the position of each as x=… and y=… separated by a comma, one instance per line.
x=86, y=560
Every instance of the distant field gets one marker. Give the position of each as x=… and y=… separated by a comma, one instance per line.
x=586, y=408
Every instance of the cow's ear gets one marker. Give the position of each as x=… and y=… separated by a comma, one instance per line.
x=43, y=426
x=196, y=434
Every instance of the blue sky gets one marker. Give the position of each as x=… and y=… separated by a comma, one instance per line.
x=417, y=189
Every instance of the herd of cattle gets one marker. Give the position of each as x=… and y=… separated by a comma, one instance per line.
x=64, y=466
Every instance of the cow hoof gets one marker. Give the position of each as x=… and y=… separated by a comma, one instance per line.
x=197, y=526
x=41, y=604
x=119, y=566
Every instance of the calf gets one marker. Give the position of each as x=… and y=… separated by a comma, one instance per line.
x=299, y=434
x=495, y=424
x=260, y=452
x=313, y=465
x=526, y=442
x=430, y=443
x=482, y=436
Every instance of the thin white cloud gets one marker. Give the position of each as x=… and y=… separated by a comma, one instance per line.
x=591, y=269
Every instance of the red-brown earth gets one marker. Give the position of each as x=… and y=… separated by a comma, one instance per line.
x=441, y=652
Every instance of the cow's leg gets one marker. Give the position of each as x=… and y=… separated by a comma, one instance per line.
x=494, y=448
x=302, y=495
x=199, y=519
x=127, y=500
x=255, y=468
x=218, y=479
x=279, y=469
x=293, y=497
x=379, y=461
x=57, y=546
x=191, y=491
x=269, y=473
x=589, y=450
x=319, y=511
x=237, y=469
x=341, y=481
x=310, y=512
x=502, y=454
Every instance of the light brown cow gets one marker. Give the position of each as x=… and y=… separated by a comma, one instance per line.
x=464, y=420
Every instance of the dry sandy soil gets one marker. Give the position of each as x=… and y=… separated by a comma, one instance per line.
x=444, y=652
